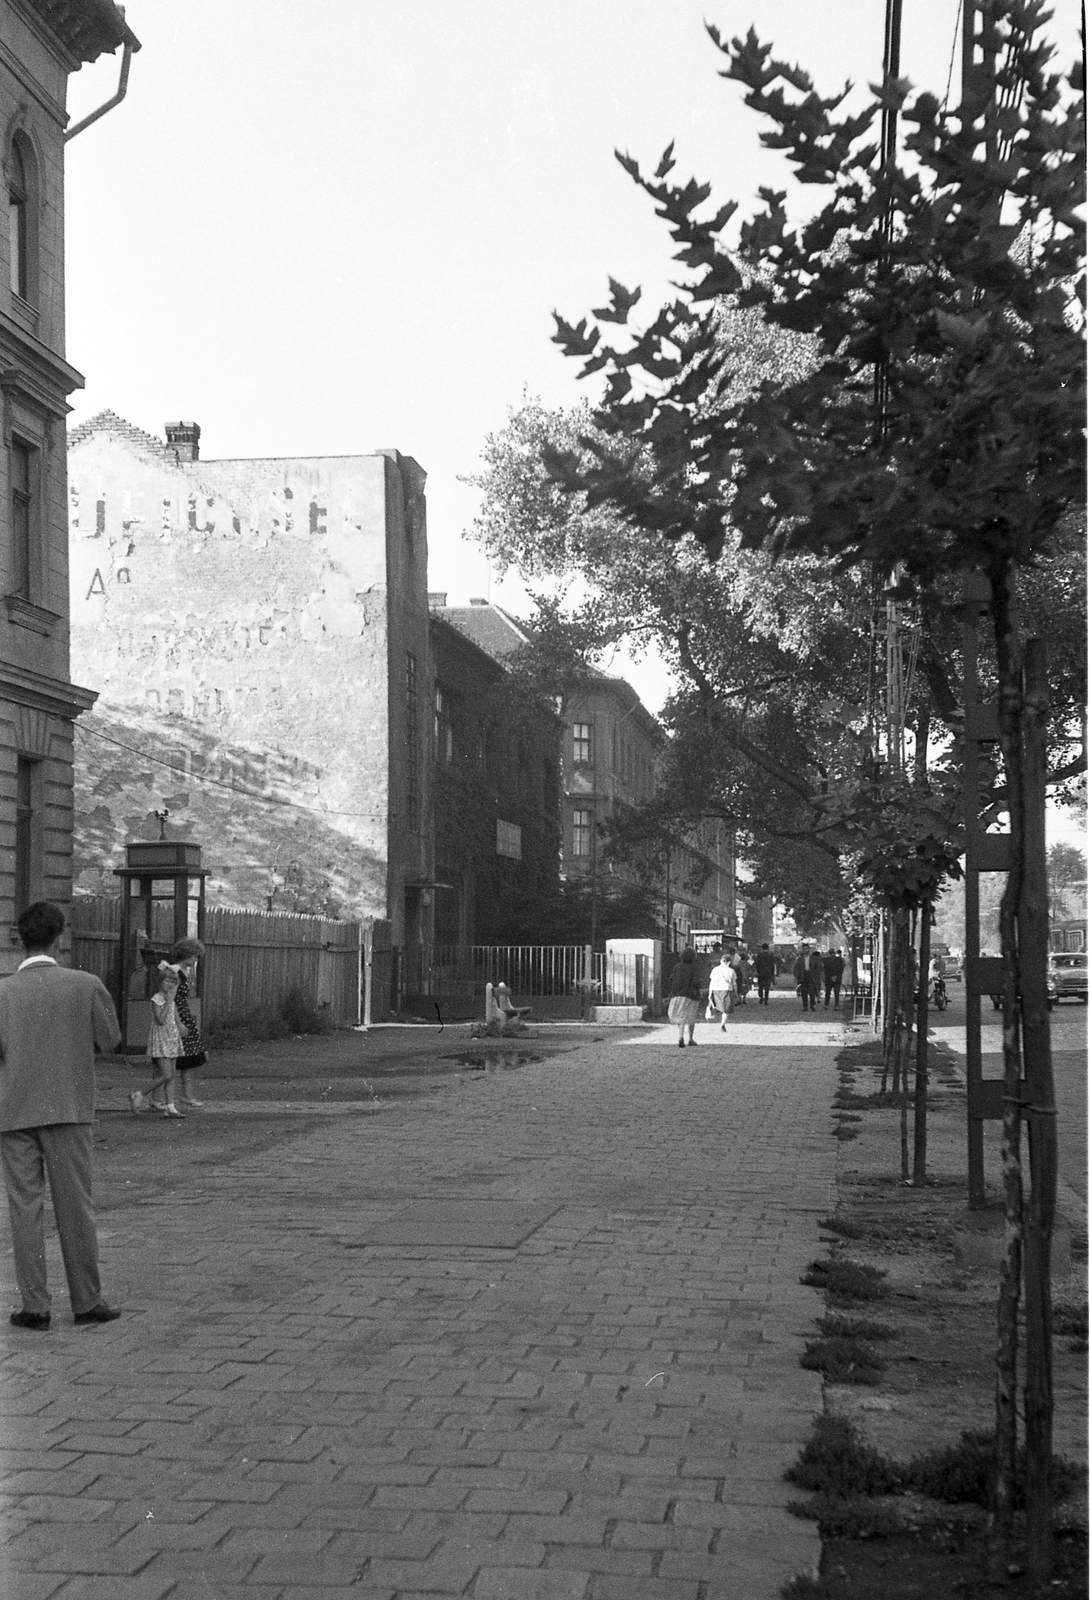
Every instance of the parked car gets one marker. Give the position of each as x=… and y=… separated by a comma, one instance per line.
x=1067, y=976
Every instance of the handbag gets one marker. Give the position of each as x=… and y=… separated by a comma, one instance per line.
x=710, y=1012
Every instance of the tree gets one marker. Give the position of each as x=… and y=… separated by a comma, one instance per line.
x=1066, y=872
x=772, y=668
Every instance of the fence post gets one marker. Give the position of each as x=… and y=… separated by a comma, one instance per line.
x=367, y=951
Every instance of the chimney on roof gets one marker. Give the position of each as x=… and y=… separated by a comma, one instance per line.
x=476, y=602
x=437, y=599
x=184, y=438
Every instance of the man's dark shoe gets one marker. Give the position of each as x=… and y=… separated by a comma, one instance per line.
x=30, y=1319
x=99, y=1313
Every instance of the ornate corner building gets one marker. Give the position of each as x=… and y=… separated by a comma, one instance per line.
x=41, y=43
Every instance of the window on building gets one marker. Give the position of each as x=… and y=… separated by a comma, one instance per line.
x=24, y=462
x=444, y=727
x=19, y=217
x=581, y=824
x=581, y=746
x=412, y=734
x=25, y=864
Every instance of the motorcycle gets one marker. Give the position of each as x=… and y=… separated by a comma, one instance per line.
x=938, y=996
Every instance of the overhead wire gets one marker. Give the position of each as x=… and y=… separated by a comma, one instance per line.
x=953, y=56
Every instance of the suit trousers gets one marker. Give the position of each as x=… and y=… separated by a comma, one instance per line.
x=61, y=1151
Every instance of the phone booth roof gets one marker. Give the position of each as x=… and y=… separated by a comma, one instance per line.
x=166, y=858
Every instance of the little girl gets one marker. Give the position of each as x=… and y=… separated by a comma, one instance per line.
x=164, y=1044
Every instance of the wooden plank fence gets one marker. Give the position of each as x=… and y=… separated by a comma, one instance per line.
x=253, y=958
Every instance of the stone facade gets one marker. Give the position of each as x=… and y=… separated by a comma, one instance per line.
x=41, y=42
x=270, y=615
x=497, y=797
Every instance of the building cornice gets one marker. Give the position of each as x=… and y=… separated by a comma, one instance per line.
x=32, y=367
x=53, y=695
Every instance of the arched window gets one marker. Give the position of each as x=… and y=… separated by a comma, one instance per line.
x=21, y=216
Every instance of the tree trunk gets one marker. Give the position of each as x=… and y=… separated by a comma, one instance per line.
x=904, y=1017
x=1040, y=1118
x=889, y=1006
x=919, y=1125
x=1010, y=1272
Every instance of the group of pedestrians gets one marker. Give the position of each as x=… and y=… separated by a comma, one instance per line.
x=727, y=986
x=815, y=972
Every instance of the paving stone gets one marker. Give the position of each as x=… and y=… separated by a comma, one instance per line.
x=513, y=1583
x=31, y=1585
x=146, y=1586
x=55, y=1509
x=448, y=1572
x=360, y=1590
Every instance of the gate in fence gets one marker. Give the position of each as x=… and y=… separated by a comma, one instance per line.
x=555, y=977
x=623, y=979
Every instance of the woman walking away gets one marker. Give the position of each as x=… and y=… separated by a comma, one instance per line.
x=164, y=1045
x=685, y=997
x=186, y=953
x=722, y=988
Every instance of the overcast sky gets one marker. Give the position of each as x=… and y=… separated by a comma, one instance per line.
x=328, y=228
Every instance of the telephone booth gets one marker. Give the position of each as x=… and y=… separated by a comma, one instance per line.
x=162, y=901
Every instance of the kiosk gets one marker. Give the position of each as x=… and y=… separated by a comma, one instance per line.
x=162, y=900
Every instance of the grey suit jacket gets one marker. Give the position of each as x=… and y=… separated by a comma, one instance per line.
x=51, y=1018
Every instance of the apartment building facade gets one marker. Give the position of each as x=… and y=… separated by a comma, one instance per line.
x=611, y=748
x=42, y=42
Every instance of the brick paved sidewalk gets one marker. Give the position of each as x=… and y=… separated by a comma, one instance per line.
x=338, y=1374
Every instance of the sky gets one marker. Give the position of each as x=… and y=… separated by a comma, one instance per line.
x=339, y=227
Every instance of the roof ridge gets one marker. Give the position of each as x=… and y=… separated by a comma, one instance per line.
x=109, y=422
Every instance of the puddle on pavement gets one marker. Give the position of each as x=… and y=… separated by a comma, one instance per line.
x=493, y=1060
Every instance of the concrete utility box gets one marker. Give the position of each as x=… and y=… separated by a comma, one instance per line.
x=621, y=972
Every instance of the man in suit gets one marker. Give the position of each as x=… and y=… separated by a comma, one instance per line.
x=766, y=967
x=833, y=964
x=816, y=974
x=51, y=1021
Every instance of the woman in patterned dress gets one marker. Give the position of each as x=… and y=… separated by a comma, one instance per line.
x=186, y=954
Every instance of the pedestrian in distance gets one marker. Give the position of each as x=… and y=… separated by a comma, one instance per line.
x=765, y=968
x=833, y=967
x=185, y=955
x=736, y=961
x=745, y=974
x=164, y=1045
x=817, y=976
x=52, y=1020
x=686, y=997
x=802, y=976
x=722, y=990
